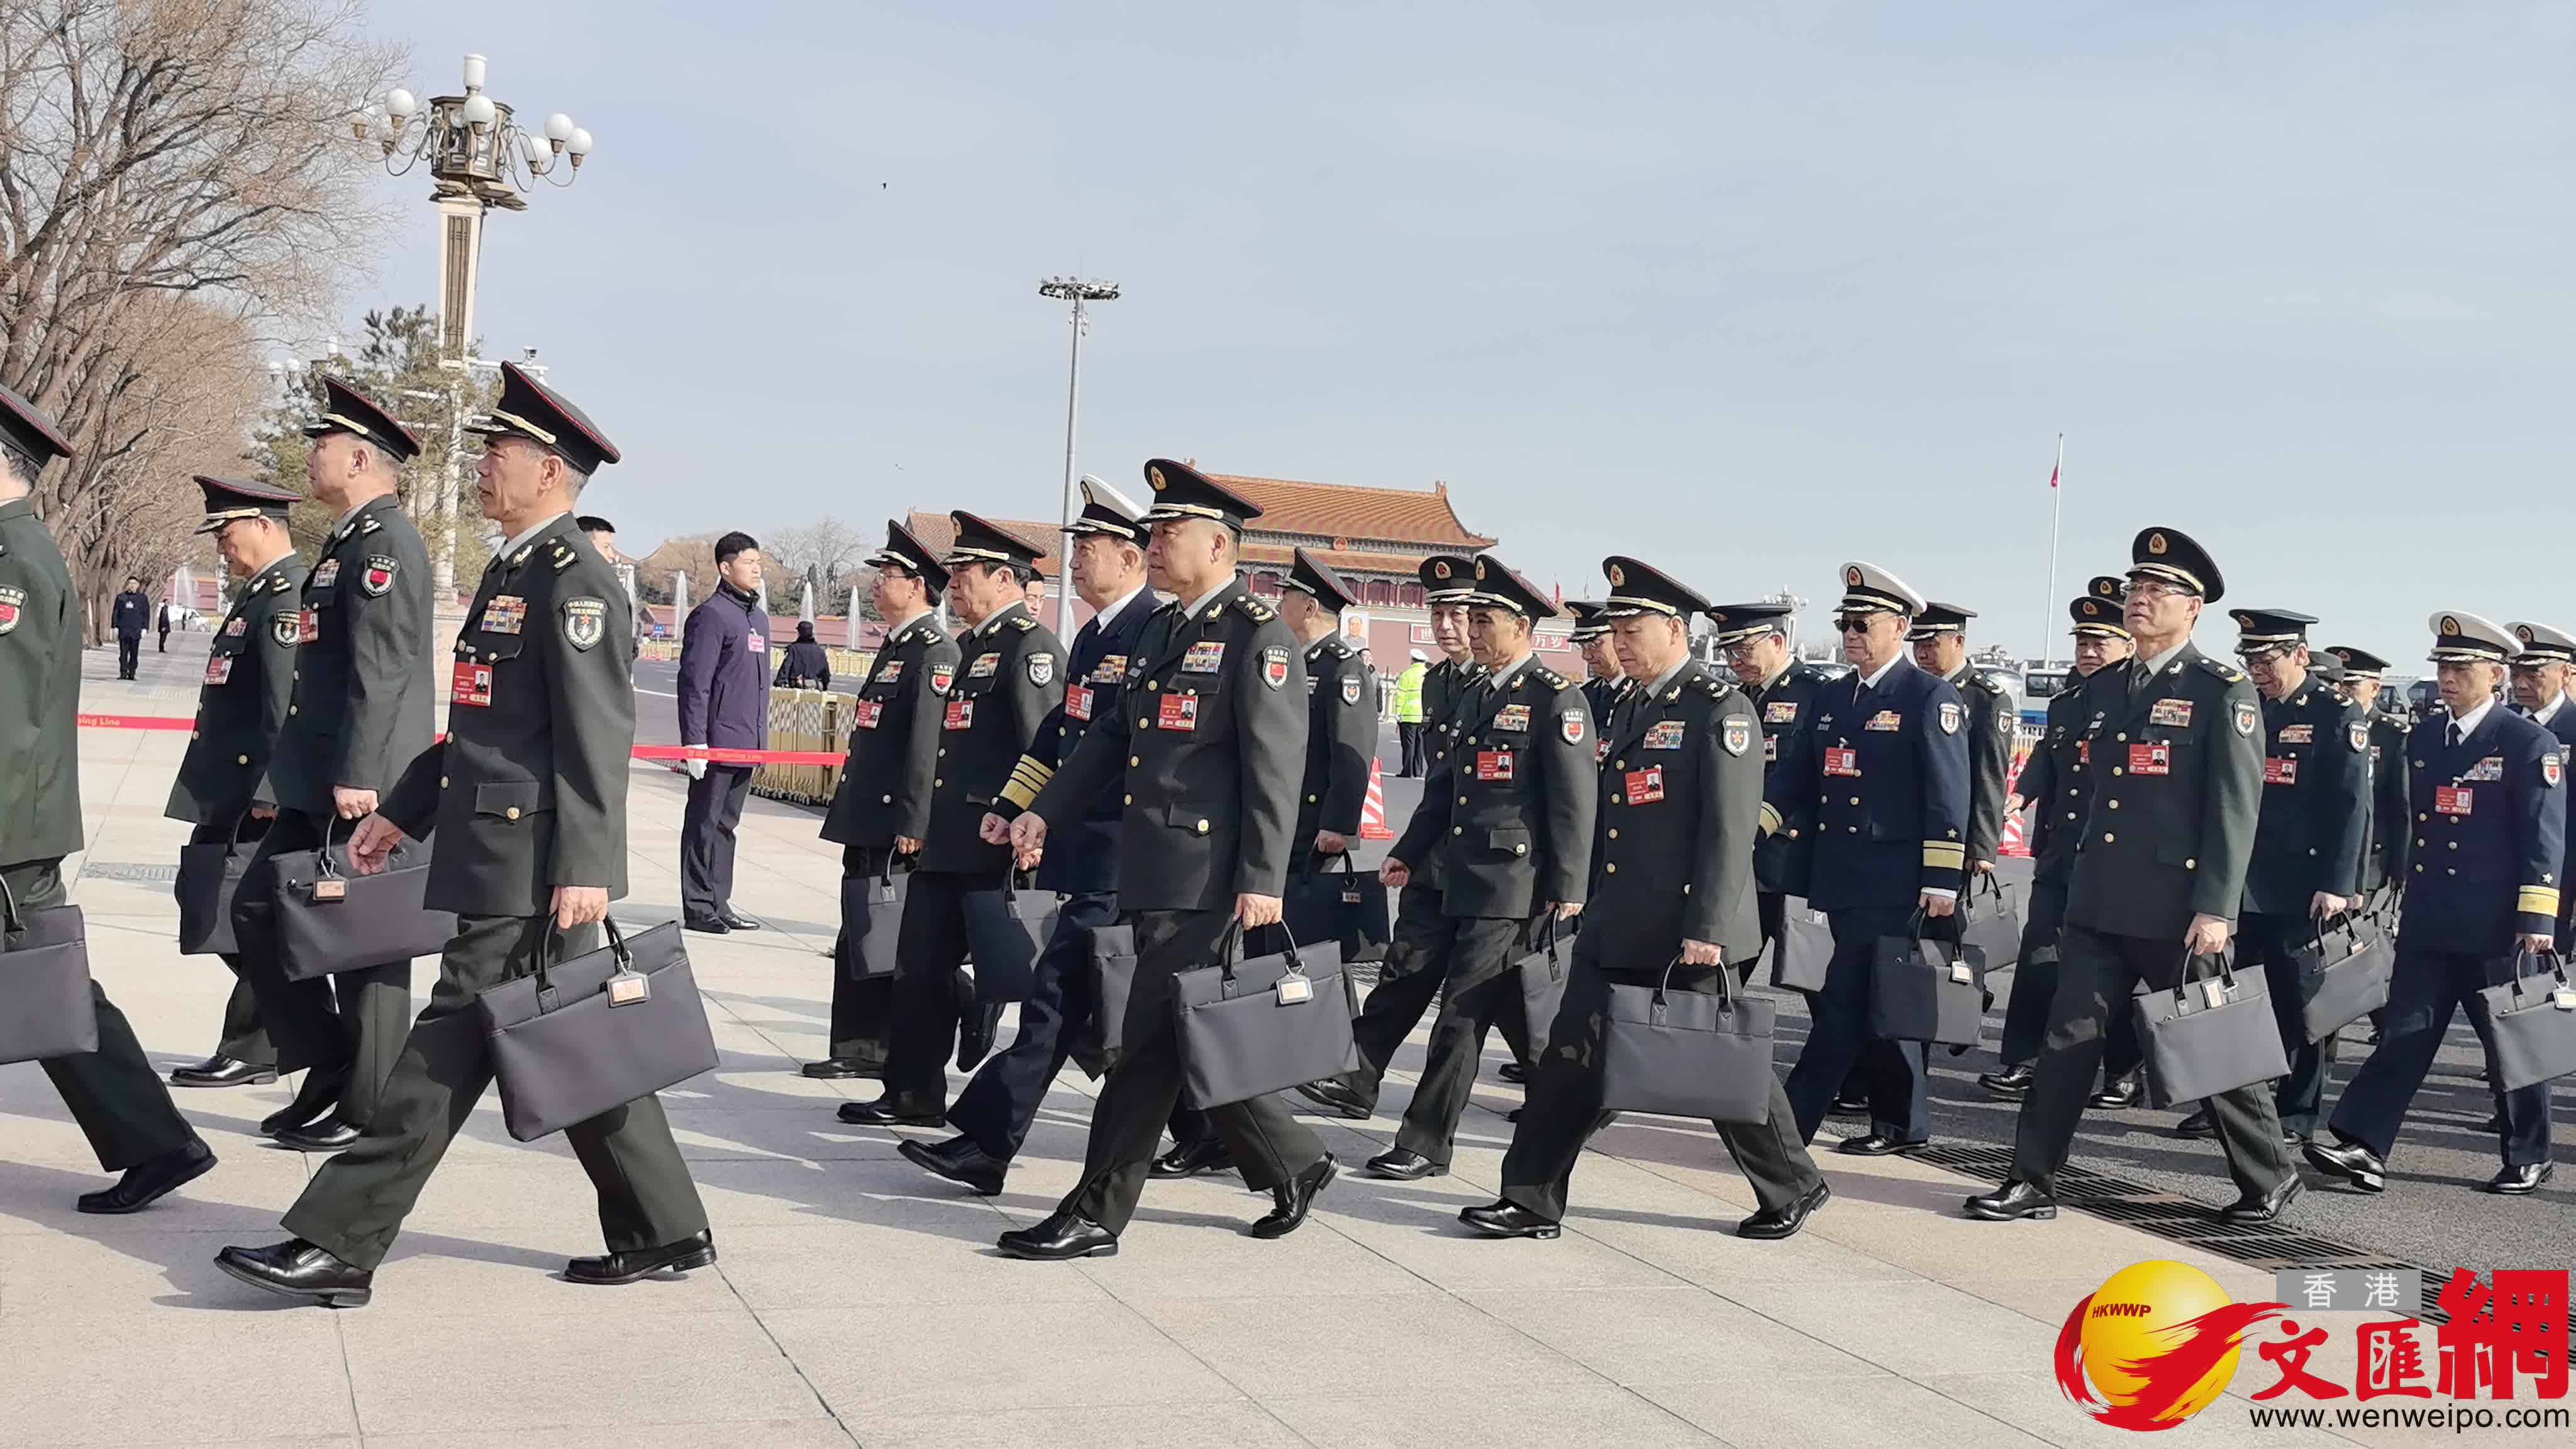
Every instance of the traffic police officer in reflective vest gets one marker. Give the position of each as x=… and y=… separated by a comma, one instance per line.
x=2481, y=893
x=250, y=681
x=2159, y=874
x=1756, y=640
x=881, y=812
x=1509, y=815
x=1681, y=789
x=1885, y=761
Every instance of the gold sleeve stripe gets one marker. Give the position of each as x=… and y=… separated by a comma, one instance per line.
x=1770, y=818
x=2538, y=901
x=1027, y=779
x=1945, y=854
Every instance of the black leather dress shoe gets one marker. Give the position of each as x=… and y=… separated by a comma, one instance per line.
x=891, y=1111
x=1294, y=1199
x=712, y=925
x=736, y=921
x=1850, y=1106
x=1060, y=1235
x=698, y=1250
x=1405, y=1166
x=977, y=1027
x=959, y=1160
x=319, y=1094
x=2515, y=1181
x=2255, y=1211
x=222, y=1071
x=1513, y=1072
x=1189, y=1159
x=1508, y=1220
x=2199, y=1126
x=832, y=1069
x=2350, y=1161
x=150, y=1180
x=1770, y=1225
x=2011, y=1201
x=2012, y=1083
x=297, y=1269
x=328, y=1135
x=1876, y=1144
x=1339, y=1097
x=2119, y=1096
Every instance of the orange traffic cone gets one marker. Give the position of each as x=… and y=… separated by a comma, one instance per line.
x=1373, y=824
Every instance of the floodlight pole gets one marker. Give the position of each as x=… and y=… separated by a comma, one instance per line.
x=1080, y=293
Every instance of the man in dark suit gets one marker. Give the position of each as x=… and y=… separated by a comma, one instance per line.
x=1205, y=748
x=1010, y=681
x=881, y=812
x=161, y=644
x=1682, y=787
x=241, y=707
x=724, y=704
x=527, y=797
x=1885, y=761
x=129, y=616
x=2159, y=875
x=1510, y=816
x=1756, y=640
x=2490, y=849
x=362, y=710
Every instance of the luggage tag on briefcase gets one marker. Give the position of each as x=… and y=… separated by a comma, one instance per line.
x=629, y=987
x=1293, y=989
x=2214, y=992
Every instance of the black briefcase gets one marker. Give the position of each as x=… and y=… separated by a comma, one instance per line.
x=1347, y=907
x=1926, y=990
x=1805, y=947
x=2531, y=1020
x=2344, y=973
x=44, y=983
x=2209, y=1034
x=1990, y=920
x=209, y=873
x=331, y=919
x=589, y=1035
x=1250, y=1028
x=1005, y=929
x=1099, y=1041
x=871, y=920
x=1695, y=1054
x=1542, y=971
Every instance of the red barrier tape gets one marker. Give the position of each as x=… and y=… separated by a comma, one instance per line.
x=642, y=752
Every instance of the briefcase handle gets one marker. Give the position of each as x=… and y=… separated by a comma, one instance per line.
x=2551, y=964
x=1664, y=986
x=2347, y=922
x=550, y=954
x=2224, y=962
x=1230, y=953
x=9, y=907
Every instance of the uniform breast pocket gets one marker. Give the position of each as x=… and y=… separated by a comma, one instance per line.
x=510, y=800
x=1505, y=842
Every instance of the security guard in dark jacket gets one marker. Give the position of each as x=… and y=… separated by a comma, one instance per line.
x=1756, y=640
x=1509, y=814
x=882, y=809
x=121, y=1106
x=1886, y=762
x=362, y=711
x=2159, y=874
x=2057, y=780
x=2306, y=868
x=1682, y=790
x=1206, y=749
x=1341, y=710
x=2482, y=892
x=249, y=682
x=527, y=799
x=2541, y=675
x=992, y=1115
x=1417, y=953
x=1010, y=681
x=2384, y=854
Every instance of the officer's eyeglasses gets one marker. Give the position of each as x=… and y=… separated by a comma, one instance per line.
x=1853, y=624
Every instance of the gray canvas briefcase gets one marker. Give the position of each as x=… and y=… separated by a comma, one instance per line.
x=2209, y=1034
x=1703, y=1054
x=577, y=1038
x=1250, y=1028
x=44, y=981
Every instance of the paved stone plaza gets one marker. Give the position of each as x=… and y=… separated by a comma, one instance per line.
x=860, y=1300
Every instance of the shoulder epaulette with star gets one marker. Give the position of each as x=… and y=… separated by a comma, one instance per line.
x=1549, y=678
x=1711, y=687
x=2222, y=669
x=1338, y=647
x=369, y=526
x=1023, y=623
x=562, y=558
x=1254, y=609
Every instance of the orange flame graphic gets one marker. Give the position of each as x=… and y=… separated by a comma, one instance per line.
x=2195, y=1346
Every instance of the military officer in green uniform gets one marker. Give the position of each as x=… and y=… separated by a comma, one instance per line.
x=120, y=1103
x=881, y=812
x=1210, y=738
x=1756, y=640
x=1510, y=816
x=241, y=707
x=1010, y=678
x=1341, y=710
x=2383, y=861
x=1940, y=639
x=527, y=800
x=2159, y=875
x=362, y=710
x=1681, y=792
x=1604, y=684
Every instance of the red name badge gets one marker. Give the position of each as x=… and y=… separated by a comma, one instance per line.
x=1842, y=760
x=219, y=668
x=308, y=625
x=1646, y=786
x=2280, y=770
x=759, y=642
x=1178, y=712
x=961, y=715
x=470, y=684
x=2454, y=799
x=1493, y=764
x=870, y=711
x=1077, y=702
x=2150, y=759
x=2084, y=752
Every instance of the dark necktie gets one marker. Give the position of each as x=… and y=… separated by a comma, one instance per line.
x=2452, y=735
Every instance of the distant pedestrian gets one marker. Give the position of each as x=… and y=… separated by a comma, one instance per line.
x=131, y=613
x=805, y=665
x=724, y=703
x=1408, y=713
x=163, y=646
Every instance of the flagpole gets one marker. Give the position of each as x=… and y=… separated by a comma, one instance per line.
x=2056, y=509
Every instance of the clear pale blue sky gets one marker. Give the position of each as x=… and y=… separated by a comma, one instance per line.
x=1743, y=289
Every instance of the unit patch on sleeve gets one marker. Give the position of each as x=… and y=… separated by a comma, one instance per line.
x=1274, y=666
x=378, y=577
x=1736, y=735
x=1041, y=669
x=284, y=629
x=1350, y=689
x=1570, y=724
x=1949, y=717
x=585, y=621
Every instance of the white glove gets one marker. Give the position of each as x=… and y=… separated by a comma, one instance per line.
x=697, y=769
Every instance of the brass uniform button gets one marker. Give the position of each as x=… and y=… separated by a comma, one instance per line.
x=241, y=759
x=511, y=813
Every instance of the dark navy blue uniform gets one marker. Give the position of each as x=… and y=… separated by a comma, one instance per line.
x=2561, y=725
x=1886, y=767
x=2308, y=839
x=2489, y=847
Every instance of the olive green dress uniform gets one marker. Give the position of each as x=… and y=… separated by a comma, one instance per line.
x=241, y=708
x=1341, y=739
x=1991, y=716
x=2386, y=833
x=1209, y=736
x=2177, y=751
x=122, y=1106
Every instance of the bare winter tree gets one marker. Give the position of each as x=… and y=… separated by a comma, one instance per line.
x=823, y=553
